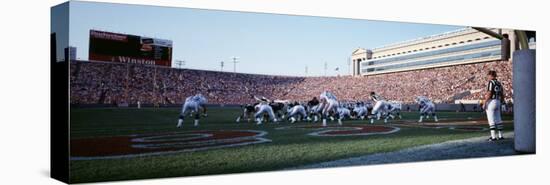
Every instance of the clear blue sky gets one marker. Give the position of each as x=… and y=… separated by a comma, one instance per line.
x=265, y=43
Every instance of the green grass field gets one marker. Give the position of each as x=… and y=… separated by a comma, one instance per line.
x=289, y=147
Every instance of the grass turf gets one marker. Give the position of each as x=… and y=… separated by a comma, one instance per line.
x=289, y=147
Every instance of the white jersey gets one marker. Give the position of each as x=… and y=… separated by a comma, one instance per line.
x=191, y=106
x=327, y=96
x=379, y=107
x=315, y=109
x=368, y=105
x=199, y=98
x=393, y=106
x=360, y=111
x=264, y=109
x=193, y=103
x=328, y=102
x=422, y=100
x=426, y=105
x=427, y=108
x=343, y=112
x=297, y=110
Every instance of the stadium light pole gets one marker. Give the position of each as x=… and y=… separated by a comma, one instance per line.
x=326, y=67
x=306, y=70
x=221, y=64
x=349, y=66
x=235, y=61
x=180, y=63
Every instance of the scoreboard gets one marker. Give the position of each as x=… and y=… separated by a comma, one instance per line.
x=124, y=48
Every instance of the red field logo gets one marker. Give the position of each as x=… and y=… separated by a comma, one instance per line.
x=346, y=130
x=161, y=144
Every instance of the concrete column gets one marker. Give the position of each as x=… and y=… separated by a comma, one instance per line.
x=524, y=100
x=513, y=41
x=358, y=67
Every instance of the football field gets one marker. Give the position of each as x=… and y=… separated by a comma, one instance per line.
x=129, y=143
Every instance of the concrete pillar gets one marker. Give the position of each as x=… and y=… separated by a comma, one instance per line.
x=524, y=100
x=513, y=42
x=358, y=67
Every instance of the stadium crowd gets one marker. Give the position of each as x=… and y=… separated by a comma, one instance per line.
x=114, y=83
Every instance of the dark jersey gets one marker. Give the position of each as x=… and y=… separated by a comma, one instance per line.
x=249, y=108
x=313, y=102
x=277, y=106
x=496, y=89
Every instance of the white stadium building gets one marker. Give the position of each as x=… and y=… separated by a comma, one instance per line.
x=462, y=46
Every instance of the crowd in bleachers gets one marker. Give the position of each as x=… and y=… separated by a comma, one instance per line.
x=114, y=83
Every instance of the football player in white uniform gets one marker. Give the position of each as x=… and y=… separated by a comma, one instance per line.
x=393, y=109
x=360, y=111
x=262, y=108
x=192, y=105
x=379, y=108
x=296, y=112
x=343, y=113
x=328, y=105
x=427, y=108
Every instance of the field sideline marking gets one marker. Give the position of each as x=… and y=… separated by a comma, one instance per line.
x=465, y=128
x=322, y=133
x=324, y=130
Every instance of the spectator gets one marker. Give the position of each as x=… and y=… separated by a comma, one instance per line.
x=109, y=83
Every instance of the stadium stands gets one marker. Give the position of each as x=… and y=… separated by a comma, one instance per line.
x=114, y=83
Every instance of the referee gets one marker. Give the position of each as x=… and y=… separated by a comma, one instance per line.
x=493, y=98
